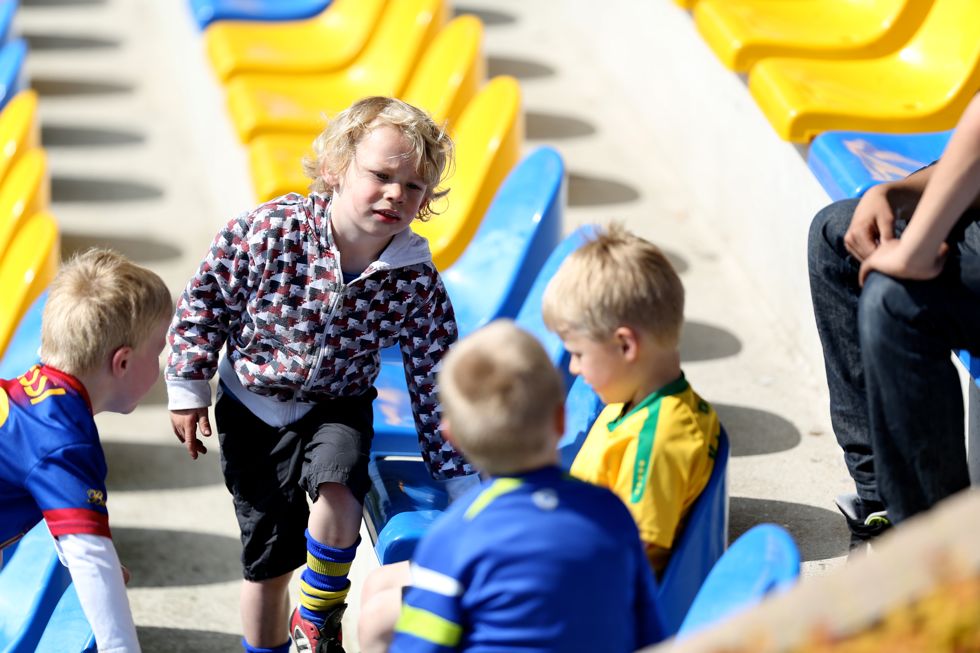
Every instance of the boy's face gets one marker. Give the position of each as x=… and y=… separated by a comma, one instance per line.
x=381, y=192
x=142, y=370
x=602, y=364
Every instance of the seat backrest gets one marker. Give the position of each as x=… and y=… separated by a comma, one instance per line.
x=765, y=559
x=488, y=138
x=68, y=630
x=19, y=129
x=208, y=11
x=23, y=192
x=22, y=350
x=529, y=317
x=399, y=39
x=948, y=47
x=26, y=270
x=13, y=76
x=700, y=545
x=521, y=228
x=582, y=408
x=451, y=70
x=31, y=582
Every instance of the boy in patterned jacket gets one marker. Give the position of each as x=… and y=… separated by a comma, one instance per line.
x=303, y=293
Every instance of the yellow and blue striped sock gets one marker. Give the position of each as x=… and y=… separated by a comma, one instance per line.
x=324, y=584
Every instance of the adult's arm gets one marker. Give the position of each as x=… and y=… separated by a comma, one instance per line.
x=953, y=186
x=98, y=579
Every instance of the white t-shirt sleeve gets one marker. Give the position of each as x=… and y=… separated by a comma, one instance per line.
x=98, y=580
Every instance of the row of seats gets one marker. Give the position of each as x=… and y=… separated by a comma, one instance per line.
x=863, y=65
x=497, y=244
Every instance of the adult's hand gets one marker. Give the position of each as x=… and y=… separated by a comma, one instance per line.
x=186, y=423
x=873, y=223
x=893, y=259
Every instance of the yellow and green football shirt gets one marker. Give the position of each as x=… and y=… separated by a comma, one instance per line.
x=656, y=456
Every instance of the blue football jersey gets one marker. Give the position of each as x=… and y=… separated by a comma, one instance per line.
x=51, y=462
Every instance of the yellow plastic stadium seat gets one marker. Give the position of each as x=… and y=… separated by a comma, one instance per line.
x=26, y=270
x=19, y=129
x=488, y=140
x=24, y=191
x=923, y=87
x=266, y=103
x=326, y=42
x=687, y=4
x=447, y=78
x=741, y=32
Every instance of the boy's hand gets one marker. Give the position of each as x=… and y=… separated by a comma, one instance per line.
x=186, y=423
x=896, y=261
x=873, y=223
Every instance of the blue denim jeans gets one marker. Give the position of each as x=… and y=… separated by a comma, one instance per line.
x=895, y=399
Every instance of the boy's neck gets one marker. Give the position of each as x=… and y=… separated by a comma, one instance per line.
x=98, y=388
x=357, y=251
x=660, y=367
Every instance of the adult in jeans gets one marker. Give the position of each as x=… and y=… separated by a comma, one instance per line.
x=895, y=283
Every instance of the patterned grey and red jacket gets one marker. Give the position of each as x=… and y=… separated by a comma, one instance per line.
x=271, y=291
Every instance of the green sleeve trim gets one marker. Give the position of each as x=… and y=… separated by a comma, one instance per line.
x=428, y=626
x=644, y=451
x=499, y=487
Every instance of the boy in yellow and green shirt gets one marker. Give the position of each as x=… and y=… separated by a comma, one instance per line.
x=618, y=305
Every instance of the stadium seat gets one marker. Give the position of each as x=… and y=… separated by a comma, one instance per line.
x=922, y=87
x=24, y=191
x=848, y=163
x=22, y=351
x=31, y=583
x=19, y=129
x=326, y=42
x=700, y=545
x=13, y=76
x=26, y=270
x=8, y=9
x=451, y=70
x=68, y=630
x=207, y=12
x=262, y=103
x=741, y=32
x=401, y=483
x=582, y=408
x=492, y=279
x=488, y=138
x=762, y=561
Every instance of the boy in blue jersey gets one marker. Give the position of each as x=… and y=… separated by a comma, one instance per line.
x=103, y=328
x=618, y=305
x=533, y=560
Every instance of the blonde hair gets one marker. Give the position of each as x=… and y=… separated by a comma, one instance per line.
x=500, y=392
x=616, y=279
x=334, y=148
x=99, y=301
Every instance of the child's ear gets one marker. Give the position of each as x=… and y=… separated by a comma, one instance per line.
x=119, y=363
x=628, y=342
x=331, y=179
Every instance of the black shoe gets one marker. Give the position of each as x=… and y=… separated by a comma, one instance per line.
x=865, y=519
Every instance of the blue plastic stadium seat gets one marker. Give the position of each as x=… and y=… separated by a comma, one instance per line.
x=582, y=407
x=700, y=545
x=8, y=9
x=31, y=583
x=403, y=485
x=207, y=11
x=848, y=163
x=491, y=279
x=763, y=560
x=68, y=631
x=22, y=352
x=13, y=76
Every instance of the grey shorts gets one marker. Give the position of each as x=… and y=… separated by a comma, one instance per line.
x=271, y=470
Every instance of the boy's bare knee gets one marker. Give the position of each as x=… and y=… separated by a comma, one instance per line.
x=389, y=577
x=376, y=624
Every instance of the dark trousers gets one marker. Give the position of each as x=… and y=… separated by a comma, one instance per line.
x=895, y=399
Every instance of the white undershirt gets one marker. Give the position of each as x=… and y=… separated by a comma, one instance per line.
x=98, y=580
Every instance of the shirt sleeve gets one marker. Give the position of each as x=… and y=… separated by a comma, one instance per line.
x=68, y=486
x=431, y=615
x=210, y=306
x=679, y=471
x=426, y=337
x=98, y=580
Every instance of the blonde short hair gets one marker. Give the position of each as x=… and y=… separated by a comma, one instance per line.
x=99, y=301
x=334, y=148
x=500, y=392
x=616, y=279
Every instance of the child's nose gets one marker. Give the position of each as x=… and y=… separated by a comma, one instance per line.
x=393, y=191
